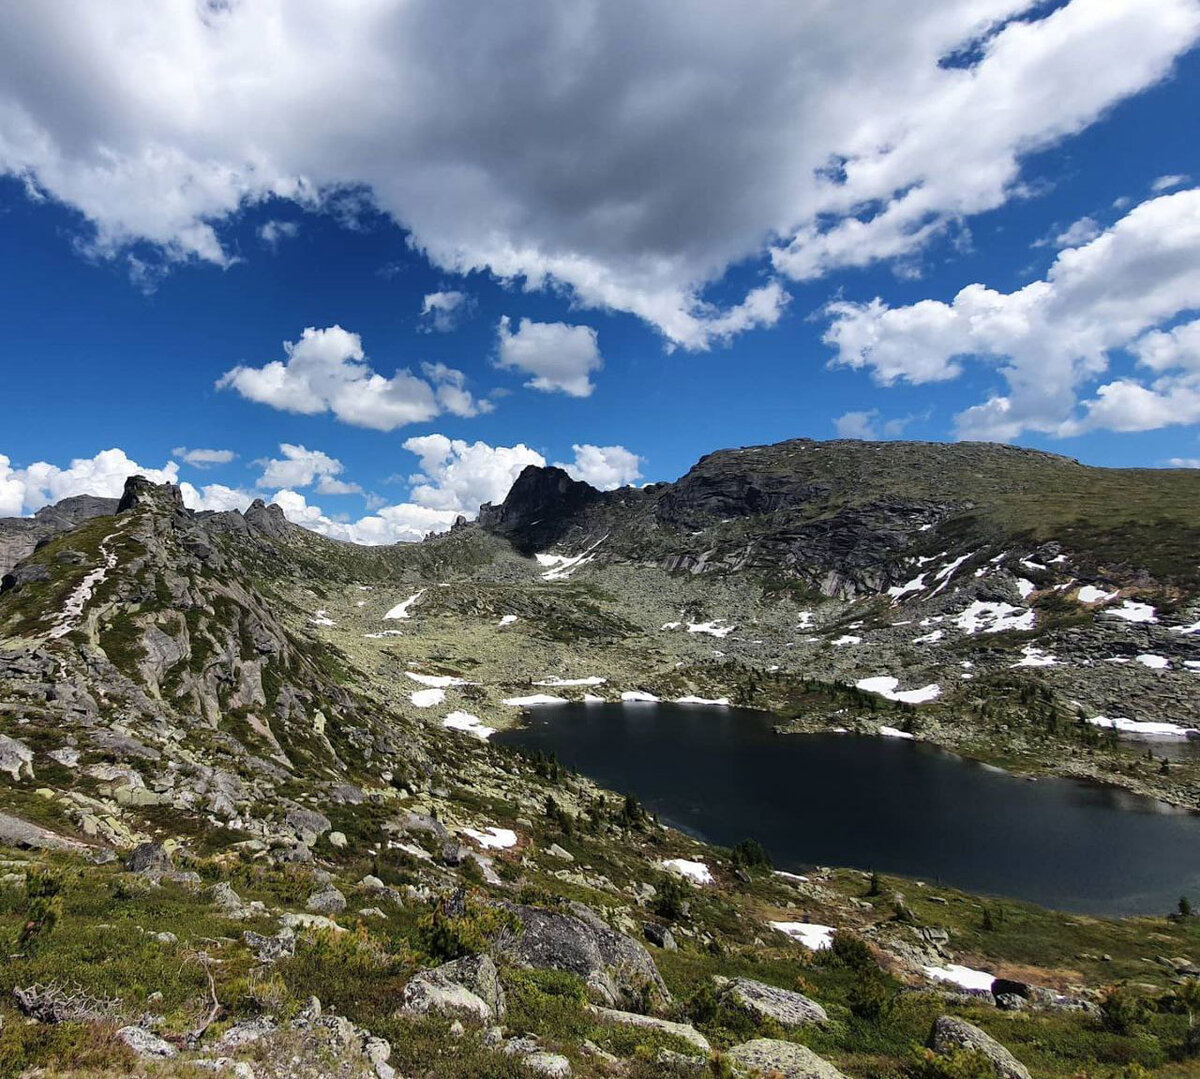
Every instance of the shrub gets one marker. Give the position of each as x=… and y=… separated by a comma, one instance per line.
x=671, y=897
x=961, y=1064
x=751, y=854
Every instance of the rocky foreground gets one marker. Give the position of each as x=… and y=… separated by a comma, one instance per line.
x=254, y=824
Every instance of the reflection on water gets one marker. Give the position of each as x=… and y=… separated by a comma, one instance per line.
x=881, y=803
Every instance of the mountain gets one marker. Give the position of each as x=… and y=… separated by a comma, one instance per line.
x=225, y=740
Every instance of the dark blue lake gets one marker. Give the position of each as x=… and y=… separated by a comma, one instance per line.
x=880, y=803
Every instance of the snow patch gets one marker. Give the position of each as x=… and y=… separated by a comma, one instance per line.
x=915, y=585
x=713, y=629
x=1155, y=663
x=1035, y=657
x=559, y=567
x=814, y=937
x=1026, y=587
x=593, y=680
x=845, y=639
x=427, y=698
x=1089, y=593
x=401, y=609
x=441, y=681
x=895, y=732
x=507, y=620
x=637, y=696
x=1143, y=727
x=994, y=617
x=1131, y=611
x=975, y=981
x=533, y=700
x=717, y=702
x=321, y=618
x=885, y=686
x=696, y=871
x=493, y=838
x=469, y=724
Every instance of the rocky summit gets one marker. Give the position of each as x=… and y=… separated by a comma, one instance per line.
x=251, y=823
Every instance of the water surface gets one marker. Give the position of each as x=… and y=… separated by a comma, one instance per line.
x=880, y=803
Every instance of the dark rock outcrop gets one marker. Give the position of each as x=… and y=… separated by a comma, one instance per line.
x=538, y=508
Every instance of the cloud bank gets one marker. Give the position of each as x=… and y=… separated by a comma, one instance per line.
x=630, y=158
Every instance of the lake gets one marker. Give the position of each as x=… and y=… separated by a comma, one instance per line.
x=887, y=804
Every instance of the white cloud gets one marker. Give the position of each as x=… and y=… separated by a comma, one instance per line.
x=455, y=478
x=1165, y=183
x=443, y=311
x=458, y=476
x=634, y=155
x=273, y=231
x=215, y=496
x=450, y=388
x=604, y=467
x=1184, y=462
x=325, y=371
x=1054, y=337
x=561, y=357
x=300, y=467
x=866, y=425
x=1081, y=232
x=860, y=424
x=203, y=458
x=104, y=475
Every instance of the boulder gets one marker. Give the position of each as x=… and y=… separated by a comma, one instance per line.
x=149, y=858
x=307, y=824
x=146, y=1043
x=660, y=936
x=470, y=984
x=270, y=949
x=681, y=1030
x=785, y=1060
x=16, y=758
x=785, y=1006
x=617, y=969
x=326, y=901
x=951, y=1033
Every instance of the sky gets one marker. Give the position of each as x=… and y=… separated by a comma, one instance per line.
x=369, y=260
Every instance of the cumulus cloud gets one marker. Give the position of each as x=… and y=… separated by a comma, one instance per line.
x=1055, y=337
x=203, y=458
x=1184, y=462
x=273, y=231
x=455, y=478
x=561, y=357
x=301, y=467
x=633, y=156
x=1081, y=232
x=214, y=496
x=604, y=467
x=326, y=371
x=24, y=490
x=458, y=476
x=443, y=311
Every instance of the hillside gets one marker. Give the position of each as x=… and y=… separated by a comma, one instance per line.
x=245, y=765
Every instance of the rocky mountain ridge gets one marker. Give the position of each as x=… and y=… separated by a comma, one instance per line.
x=255, y=763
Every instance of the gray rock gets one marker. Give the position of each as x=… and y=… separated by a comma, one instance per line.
x=326, y=901
x=149, y=858
x=787, y=1060
x=617, y=969
x=16, y=758
x=951, y=1033
x=784, y=1006
x=15, y=832
x=660, y=936
x=307, y=824
x=270, y=949
x=681, y=1030
x=145, y=1043
x=470, y=984
x=555, y=851
x=227, y=899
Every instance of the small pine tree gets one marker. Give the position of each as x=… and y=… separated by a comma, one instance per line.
x=876, y=887
x=1185, y=907
x=988, y=924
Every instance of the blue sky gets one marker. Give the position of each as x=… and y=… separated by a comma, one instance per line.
x=645, y=212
